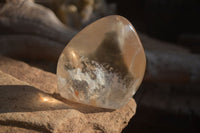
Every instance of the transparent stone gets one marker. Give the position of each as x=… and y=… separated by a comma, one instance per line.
x=103, y=65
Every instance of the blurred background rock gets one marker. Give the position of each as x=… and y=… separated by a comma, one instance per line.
x=170, y=32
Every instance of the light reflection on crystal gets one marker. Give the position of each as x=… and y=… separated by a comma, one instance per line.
x=103, y=65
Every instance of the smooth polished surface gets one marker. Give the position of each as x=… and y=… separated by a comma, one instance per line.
x=103, y=65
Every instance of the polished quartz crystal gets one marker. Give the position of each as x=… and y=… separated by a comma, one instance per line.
x=103, y=65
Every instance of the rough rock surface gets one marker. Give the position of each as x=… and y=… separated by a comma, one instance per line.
x=29, y=103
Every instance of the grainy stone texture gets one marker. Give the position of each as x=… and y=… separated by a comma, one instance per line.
x=29, y=103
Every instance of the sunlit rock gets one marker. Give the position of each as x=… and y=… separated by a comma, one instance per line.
x=103, y=65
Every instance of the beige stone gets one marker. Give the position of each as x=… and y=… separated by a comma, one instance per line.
x=28, y=74
x=27, y=106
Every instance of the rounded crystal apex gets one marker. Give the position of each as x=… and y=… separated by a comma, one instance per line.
x=103, y=65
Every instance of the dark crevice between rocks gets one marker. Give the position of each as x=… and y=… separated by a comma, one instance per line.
x=98, y=128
